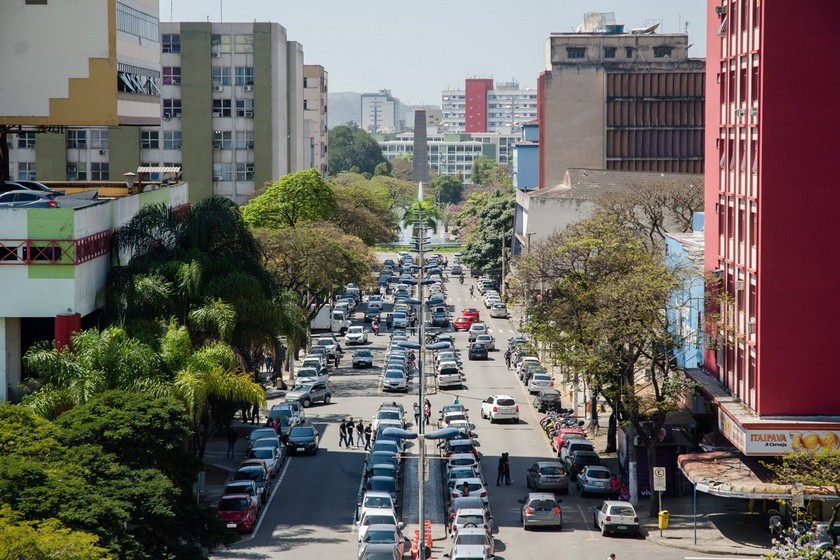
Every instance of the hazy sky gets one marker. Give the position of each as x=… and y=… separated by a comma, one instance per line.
x=417, y=49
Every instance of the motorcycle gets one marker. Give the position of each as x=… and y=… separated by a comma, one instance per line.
x=461, y=279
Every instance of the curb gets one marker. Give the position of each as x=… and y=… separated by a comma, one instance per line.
x=664, y=541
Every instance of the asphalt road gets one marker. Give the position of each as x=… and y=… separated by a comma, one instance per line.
x=311, y=513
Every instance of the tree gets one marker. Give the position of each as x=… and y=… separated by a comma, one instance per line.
x=364, y=211
x=601, y=308
x=350, y=146
x=402, y=167
x=481, y=168
x=425, y=207
x=295, y=197
x=383, y=168
x=44, y=539
x=483, y=249
x=447, y=189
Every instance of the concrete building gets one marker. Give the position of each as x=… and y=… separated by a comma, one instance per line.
x=525, y=167
x=484, y=107
x=380, y=112
x=54, y=264
x=315, y=118
x=684, y=252
x=230, y=111
x=451, y=154
x=618, y=100
x=772, y=367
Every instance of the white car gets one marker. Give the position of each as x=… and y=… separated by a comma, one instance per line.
x=308, y=375
x=376, y=518
x=329, y=343
x=314, y=361
x=499, y=310
x=463, y=460
x=375, y=501
x=388, y=416
x=539, y=381
x=271, y=456
x=477, y=518
x=394, y=380
x=356, y=335
x=477, y=329
x=475, y=485
x=500, y=407
x=487, y=340
x=616, y=517
x=374, y=302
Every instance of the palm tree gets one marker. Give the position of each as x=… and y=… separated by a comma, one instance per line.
x=420, y=208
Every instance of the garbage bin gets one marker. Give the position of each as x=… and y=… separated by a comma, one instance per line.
x=664, y=515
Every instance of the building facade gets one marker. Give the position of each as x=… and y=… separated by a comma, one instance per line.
x=483, y=107
x=379, y=112
x=684, y=253
x=315, y=118
x=525, y=167
x=230, y=111
x=630, y=101
x=766, y=241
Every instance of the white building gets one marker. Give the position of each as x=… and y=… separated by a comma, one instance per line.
x=501, y=108
x=315, y=118
x=380, y=112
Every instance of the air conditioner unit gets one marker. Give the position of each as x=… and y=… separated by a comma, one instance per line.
x=71, y=169
x=247, y=88
x=739, y=285
x=740, y=112
x=216, y=114
x=217, y=178
x=751, y=327
x=249, y=145
x=248, y=114
x=81, y=145
x=217, y=88
x=215, y=53
x=720, y=10
x=176, y=81
x=753, y=111
x=217, y=145
x=103, y=152
x=167, y=116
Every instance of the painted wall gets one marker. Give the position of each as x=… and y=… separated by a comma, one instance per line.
x=475, y=104
x=50, y=157
x=685, y=308
x=124, y=150
x=295, y=106
x=526, y=166
x=531, y=132
x=10, y=353
x=196, y=105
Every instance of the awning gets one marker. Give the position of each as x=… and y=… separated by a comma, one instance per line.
x=159, y=169
x=731, y=475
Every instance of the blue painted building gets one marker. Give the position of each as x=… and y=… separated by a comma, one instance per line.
x=526, y=158
x=685, y=310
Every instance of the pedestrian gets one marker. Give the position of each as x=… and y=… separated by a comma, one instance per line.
x=350, y=430
x=427, y=411
x=368, y=435
x=500, y=471
x=507, y=468
x=456, y=401
x=611, y=557
x=276, y=425
x=232, y=436
x=465, y=489
x=268, y=362
x=337, y=358
x=255, y=414
x=507, y=358
x=615, y=486
x=342, y=433
x=416, y=414
x=360, y=433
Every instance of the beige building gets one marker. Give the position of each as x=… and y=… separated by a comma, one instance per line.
x=315, y=117
x=620, y=100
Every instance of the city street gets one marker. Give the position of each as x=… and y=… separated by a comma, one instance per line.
x=311, y=513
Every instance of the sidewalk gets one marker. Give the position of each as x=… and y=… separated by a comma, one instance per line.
x=724, y=525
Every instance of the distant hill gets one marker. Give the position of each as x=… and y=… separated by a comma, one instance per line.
x=346, y=106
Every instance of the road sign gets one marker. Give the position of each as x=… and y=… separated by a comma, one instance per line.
x=658, y=479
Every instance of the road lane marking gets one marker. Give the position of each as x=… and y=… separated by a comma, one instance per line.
x=270, y=498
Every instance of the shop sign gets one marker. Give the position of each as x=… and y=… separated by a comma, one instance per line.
x=779, y=441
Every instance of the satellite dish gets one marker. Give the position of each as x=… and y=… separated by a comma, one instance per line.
x=644, y=30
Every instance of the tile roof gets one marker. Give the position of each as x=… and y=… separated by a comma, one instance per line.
x=589, y=184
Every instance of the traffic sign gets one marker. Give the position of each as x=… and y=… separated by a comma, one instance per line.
x=658, y=479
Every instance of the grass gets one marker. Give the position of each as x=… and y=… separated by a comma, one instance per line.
x=429, y=249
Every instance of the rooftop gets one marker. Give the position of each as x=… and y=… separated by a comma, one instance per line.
x=589, y=184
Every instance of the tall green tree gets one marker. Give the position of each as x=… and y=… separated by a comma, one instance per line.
x=350, y=146
x=483, y=250
x=300, y=196
x=418, y=208
x=447, y=189
x=364, y=211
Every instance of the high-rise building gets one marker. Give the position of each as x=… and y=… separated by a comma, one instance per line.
x=483, y=107
x=771, y=205
x=315, y=118
x=611, y=99
x=230, y=113
x=380, y=112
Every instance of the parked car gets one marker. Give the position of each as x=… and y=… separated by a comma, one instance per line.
x=257, y=474
x=822, y=538
x=500, y=407
x=548, y=475
x=478, y=518
x=540, y=509
x=309, y=394
x=330, y=344
x=394, y=380
x=457, y=446
x=388, y=414
x=616, y=517
x=475, y=487
x=440, y=319
x=477, y=329
x=579, y=459
x=499, y=310
x=362, y=359
x=374, y=501
x=477, y=351
x=356, y=335
x=288, y=409
x=271, y=456
x=539, y=381
x=377, y=517
x=28, y=199
x=474, y=536
x=383, y=534
x=303, y=439
x=547, y=399
x=244, y=487
x=566, y=434
x=237, y=511
x=594, y=479
x=383, y=484
x=307, y=374
x=572, y=445
x=259, y=433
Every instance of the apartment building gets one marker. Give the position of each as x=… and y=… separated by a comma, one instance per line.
x=380, y=112
x=230, y=112
x=483, y=106
x=620, y=100
x=315, y=118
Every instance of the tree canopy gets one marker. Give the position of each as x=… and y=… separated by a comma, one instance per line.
x=365, y=211
x=350, y=147
x=296, y=197
x=447, y=188
x=487, y=221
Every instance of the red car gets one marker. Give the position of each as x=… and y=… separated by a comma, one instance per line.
x=462, y=323
x=238, y=511
x=472, y=313
x=573, y=433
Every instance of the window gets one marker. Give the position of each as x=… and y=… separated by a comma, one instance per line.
x=26, y=171
x=150, y=176
x=26, y=140
x=222, y=108
x=245, y=140
x=222, y=140
x=305, y=82
x=245, y=108
x=222, y=172
x=171, y=108
x=628, y=52
x=99, y=138
x=220, y=44
x=244, y=43
x=77, y=138
x=99, y=171
x=172, y=75
x=77, y=171
x=221, y=76
x=244, y=171
x=170, y=43
x=137, y=23
x=305, y=104
x=662, y=52
x=609, y=52
x=244, y=75
x=171, y=139
x=136, y=79
x=149, y=140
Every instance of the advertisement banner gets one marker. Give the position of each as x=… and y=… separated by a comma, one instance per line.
x=778, y=441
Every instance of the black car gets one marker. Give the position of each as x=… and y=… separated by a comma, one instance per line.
x=302, y=439
x=477, y=351
x=257, y=474
x=547, y=399
x=581, y=459
x=370, y=313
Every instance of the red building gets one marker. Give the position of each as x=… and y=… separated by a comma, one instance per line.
x=771, y=204
x=476, y=104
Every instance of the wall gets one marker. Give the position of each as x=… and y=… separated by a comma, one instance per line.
x=124, y=150
x=265, y=137
x=50, y=157
x=196, y=104
x=475, y=104
x=684, y=306
x=10, y=366
x=526, y=158
x=294, y=84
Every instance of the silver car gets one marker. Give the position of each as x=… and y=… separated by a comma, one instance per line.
x=548, y=475
x=540, y=509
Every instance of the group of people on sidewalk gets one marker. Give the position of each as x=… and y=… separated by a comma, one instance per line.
x=348, y=430
x=427, y=413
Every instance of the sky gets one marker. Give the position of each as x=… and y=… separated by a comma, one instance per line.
x=418, y=49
